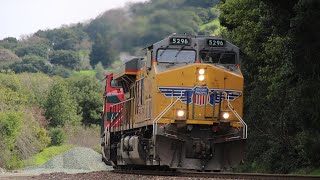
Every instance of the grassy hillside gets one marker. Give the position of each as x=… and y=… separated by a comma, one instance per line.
x=46, y=154
x=83, y=46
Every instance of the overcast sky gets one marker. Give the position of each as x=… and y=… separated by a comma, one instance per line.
x=23, y=17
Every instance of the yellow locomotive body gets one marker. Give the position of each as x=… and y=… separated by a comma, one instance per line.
x=182, y=107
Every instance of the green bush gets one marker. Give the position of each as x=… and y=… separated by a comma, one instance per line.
x=10, y=126
x=32, y=137
x=57, y=136
x=87, y=93
x=61, y=108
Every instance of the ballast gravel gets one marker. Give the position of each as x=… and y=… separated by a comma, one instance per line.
x=79, y=164
x=76, y=160
x=2, y=170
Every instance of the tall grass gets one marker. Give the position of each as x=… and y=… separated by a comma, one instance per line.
x=46, y=155
x=83, y=136
x=90, y=73
x=315, y=172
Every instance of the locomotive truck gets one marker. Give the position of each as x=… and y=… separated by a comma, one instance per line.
x=180, y=107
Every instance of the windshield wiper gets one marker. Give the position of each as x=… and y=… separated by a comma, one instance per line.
x=179, y=51
x=170, y=64
x=189, y=62
x=221, y=55
x=164, y=50
x=207, y=55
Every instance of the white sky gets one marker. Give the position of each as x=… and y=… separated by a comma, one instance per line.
x=23, y=17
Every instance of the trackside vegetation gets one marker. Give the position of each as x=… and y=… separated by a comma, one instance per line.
x=35, y=108
x=46, y=154
x=280, y=61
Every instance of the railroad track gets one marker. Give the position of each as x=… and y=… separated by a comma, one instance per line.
x=219, y=175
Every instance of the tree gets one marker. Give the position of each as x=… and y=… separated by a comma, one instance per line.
x=32, y=138
x=99, y=71
x=30, y=48
x=60, y=71
x=11, y=100
x=102, y=51
x=280, y=65
x=61, y=108
x=65, y=38
x=9, y=43
x=87, y=92
x=10, y=126
x=31, y=63
x=58, y=136
x=68, y=59
x=305, y=59
x=8, y=57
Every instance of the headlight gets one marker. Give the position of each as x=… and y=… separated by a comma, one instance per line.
x=226, y=115
x=201, y=71
x=180, y=113
x=201, y=77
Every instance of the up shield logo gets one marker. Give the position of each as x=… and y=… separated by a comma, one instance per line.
x=199, y=95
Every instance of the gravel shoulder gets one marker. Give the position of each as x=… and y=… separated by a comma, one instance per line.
x=76, y=160
x=77, y=163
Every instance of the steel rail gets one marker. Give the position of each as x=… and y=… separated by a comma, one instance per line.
x=220, y=175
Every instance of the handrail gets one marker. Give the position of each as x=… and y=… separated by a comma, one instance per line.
x=155, y=123
x=121, y=102
x=245, y=126
x=121, y=109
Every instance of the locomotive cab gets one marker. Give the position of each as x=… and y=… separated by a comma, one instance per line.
x=113, y=94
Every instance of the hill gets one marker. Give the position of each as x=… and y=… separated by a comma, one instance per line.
x=83, y=46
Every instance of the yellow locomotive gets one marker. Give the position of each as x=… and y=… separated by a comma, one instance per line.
x=179, y=107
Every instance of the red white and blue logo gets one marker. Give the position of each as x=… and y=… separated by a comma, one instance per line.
x=199, y=95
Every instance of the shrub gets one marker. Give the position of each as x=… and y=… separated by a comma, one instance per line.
x=60, y=107
x=57, y=136
x=87, y=93
x=8, y=57
x=10, y=126
x=83, y=136
x=32, y=138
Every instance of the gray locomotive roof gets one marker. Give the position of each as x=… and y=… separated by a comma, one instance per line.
x=196, y=41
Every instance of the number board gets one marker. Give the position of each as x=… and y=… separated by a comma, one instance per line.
x=216, y=42
x=180, y=41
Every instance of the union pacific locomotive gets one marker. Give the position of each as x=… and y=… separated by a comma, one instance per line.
x=179, y=107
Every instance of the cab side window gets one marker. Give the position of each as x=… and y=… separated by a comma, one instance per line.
x=114, y=83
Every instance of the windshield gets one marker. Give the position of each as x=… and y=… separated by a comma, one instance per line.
x=176, y=56
x=218, y=57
